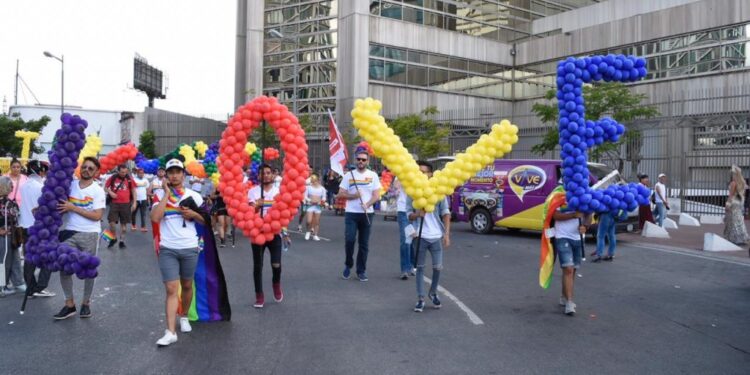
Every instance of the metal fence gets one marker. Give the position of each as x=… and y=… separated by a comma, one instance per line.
x=696, y=138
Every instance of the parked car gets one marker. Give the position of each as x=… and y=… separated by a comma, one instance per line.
x=511, y=194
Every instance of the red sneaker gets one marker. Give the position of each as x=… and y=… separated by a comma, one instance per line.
x=260, y=300
x=278, y=295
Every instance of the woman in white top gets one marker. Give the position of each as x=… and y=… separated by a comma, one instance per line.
x=315, y=195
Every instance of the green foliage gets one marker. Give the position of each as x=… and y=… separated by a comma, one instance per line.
x=611, y=99
x=422, y=135
x=9, y=144
x=305, y=121
x=147, y=144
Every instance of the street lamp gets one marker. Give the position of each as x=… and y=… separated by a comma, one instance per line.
x=277, y=34
x=61, y=59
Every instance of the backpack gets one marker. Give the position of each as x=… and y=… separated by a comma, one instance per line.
x=119, y=186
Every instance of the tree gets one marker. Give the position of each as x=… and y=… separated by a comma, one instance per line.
x=147, y=144
x=9, y=144
x=421, y=134
x=611, y=99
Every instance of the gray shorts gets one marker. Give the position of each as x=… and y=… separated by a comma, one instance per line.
x=178, y=263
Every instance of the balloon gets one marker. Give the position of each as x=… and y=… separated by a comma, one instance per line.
x=27, y=137
x=383, y=143
x=233, y=154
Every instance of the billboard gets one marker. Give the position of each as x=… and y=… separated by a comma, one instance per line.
x=148, y=79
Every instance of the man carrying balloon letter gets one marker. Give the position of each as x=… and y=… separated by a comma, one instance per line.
x=361, y=189
x=436, y=230
x=263, y=201
x=570, y=226
x=176, y=211
x=82, y=224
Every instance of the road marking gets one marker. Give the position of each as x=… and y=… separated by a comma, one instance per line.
x=472, y=316
x=682, y=252
x=301, y=233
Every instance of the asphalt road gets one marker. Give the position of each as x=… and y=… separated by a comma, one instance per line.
x=648, y=311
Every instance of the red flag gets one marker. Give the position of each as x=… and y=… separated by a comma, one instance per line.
x=337, y=148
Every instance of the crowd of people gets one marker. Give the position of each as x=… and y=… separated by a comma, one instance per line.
x=175, y=202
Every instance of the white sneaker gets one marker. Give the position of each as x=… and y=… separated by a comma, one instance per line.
x=168, y=338
x=185, y=325
x=563, y=301
x=307, y=236
x=570, y=308
x=44, y=293
x=316, y=238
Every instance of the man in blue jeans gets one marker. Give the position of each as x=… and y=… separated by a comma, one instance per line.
x=435, y=233
x=606, y=228
x=568, y=231
x=660, y=199
x=361, y=189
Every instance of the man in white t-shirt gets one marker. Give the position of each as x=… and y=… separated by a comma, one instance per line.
x=262, y=200
x=176, y=211
x=435, y=232
x=660, y=198
x=361, y=189
x=81, y=227
x=141, y=197
x=30, y=193
x=569, y=229
x=156, y=185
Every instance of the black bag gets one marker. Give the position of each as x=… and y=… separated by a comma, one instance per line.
x=111, y=182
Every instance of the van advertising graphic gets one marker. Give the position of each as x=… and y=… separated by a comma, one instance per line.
x=526, y=178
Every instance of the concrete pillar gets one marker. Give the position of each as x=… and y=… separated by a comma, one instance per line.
x=353, y=53
x=249, y=48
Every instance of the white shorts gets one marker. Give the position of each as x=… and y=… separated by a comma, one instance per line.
x=314, y=209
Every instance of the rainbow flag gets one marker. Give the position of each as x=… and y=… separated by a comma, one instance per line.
x=210, y=298
x=547, y=257
x=108, y=235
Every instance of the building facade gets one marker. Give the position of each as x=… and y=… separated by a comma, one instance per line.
x=479, y=61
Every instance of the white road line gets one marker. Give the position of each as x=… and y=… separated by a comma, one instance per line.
x=682, y=252
x=472, y=316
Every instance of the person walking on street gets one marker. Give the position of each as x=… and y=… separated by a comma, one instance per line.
x=735, y=230
x=156, y=185
x=82, y=212
x=436, y=232
x=270, y=191
x=141, y=196
x=402, y=217
x=174, y=211
x=361, y=189
x=331, y=184
x=315, y=196
x=9, y=253
x=660, y=198
x=644, y=210
x=605, y=230
x=30, y=193
x=569, y=229
x=121, y=190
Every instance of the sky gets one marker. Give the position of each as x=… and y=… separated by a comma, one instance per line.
x=191, y=41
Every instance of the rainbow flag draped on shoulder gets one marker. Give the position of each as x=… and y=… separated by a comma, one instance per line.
x=547, y=257
x=210, y=298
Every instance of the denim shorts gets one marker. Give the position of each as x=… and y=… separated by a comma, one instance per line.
x=178, y=263
x=569, y=252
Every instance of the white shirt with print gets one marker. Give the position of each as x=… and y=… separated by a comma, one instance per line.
x=253, y=195
x=172, y=233
x=367, y=183
x=30, y=193
x=91, y=198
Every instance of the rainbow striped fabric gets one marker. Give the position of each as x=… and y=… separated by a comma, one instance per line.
x=210, y=298
x=108, y=235
x=85, y=202
x=547, y=257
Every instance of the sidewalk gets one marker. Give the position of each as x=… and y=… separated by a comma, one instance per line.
x=685, y=239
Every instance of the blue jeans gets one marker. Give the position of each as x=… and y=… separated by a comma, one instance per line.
x=659, y=213
x=405, y=249
x=435, y=247
x=357, y=222
x=606, y=229
x=569, y=252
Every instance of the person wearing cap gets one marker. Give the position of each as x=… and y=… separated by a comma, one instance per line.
x=141, y=196
x=660, y=198
x=30, y=193
x=177, y=246
x=83, y=212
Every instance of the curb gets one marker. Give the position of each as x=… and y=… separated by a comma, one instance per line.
x=693, y=252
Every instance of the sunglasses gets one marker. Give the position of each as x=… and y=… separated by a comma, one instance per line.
x=89, y=168
x=361, y=159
